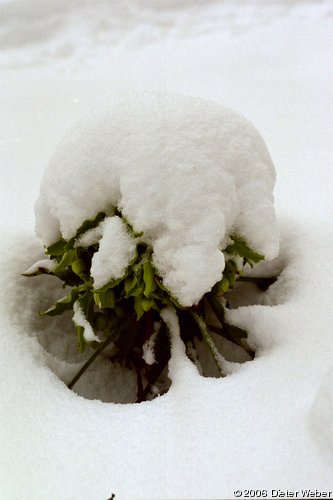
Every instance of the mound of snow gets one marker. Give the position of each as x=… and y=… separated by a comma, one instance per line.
x=184, y=171
x=116, y=250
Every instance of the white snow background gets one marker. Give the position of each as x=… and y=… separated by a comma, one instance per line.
x=270, y=423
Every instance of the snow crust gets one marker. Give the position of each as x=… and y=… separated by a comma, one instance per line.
x=184, y=171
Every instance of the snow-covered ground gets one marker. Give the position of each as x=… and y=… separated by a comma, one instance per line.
x=269, y=424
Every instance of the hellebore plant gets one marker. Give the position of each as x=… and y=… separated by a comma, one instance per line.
x=125, y=313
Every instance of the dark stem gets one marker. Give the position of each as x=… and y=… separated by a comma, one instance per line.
x=149, y=325
x=139, y=395
x=155, y=375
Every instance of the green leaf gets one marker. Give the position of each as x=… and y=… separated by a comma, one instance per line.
x=88, y=224
x=113, y=283
x=129, y=285
x=68, y=277
x=138, y=307
x=63, y=304
x=240, y=247
x=105, y=299
x=79, y=266
x=130, y=227
x=57, y=248
x=81, y=343
x=138, y=290
x=146, y=304
x=224, y=285
x=148, y=278
x=230, y=272
x=86, y=302
x=138, y=270
x=65, y=261
x=160, y=285
x=100, y=321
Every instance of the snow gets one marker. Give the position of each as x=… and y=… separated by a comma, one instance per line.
x=79, y=319
x=184, y=171
x=269, y=423
x=90, y=237
x=43, y=265
x=148, y=348
x=116, y=251
x=181, y=370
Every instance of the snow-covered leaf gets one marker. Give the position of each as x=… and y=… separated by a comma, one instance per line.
x=240, y=247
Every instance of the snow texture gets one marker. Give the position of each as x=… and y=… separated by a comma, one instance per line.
x=116, y=250
x=80, y=320
x=90, y=237
x=184, y=171
x=148, y=348
x=43, y=265
x=269, y=423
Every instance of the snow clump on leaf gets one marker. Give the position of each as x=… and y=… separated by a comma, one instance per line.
x=183, y=172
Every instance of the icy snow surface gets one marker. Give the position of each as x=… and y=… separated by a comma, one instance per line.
x=184, y=171
x=269, y=423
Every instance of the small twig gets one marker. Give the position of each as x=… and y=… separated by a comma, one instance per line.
x=209, y=341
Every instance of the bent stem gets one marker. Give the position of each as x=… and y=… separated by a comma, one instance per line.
x=209, y=341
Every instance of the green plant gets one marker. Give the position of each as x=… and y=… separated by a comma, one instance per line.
x=126, y=312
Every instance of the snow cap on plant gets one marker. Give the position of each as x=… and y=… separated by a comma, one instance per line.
x=184, y=173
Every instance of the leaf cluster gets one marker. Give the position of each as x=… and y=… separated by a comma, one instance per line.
x=124, y=313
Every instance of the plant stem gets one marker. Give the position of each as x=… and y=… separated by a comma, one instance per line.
x=217, y=307
x=96, y=354
x=218, y=310
x=209, y=341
